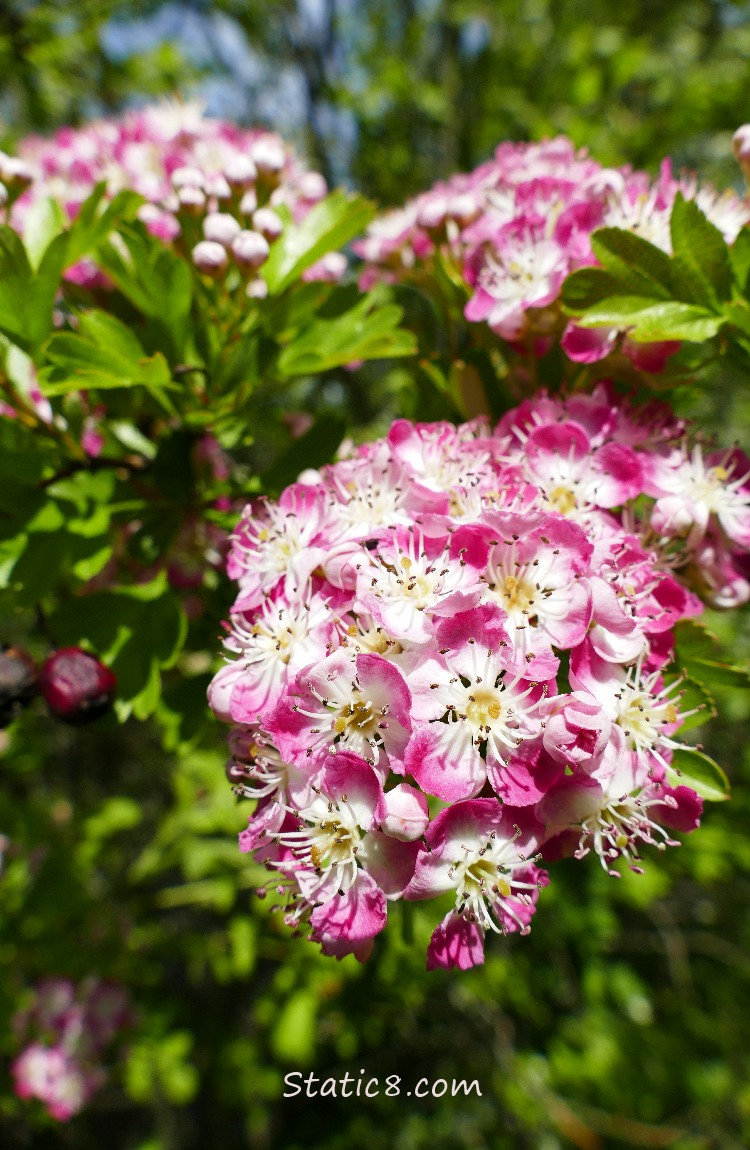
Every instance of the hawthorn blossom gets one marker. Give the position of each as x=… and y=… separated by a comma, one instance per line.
x=454, y=649
x=67, y=1030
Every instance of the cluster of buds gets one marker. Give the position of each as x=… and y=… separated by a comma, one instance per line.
x=211, y=187
x=67, y=1031
x=516, y=226
x=449, y=659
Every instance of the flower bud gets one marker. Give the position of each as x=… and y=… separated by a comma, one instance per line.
x=15, y=173
x=18, y=682
x=191, y=200
x=210, y=258
x=76, y=686
x=187, y=178
x=408, y=816
x=311, y=186
x=240, y=172
x=249, y=202
x=218, y=187
x=221, y=228
x=250, y=250
x=3, y=195
x=268, y=156
x=268, y=223
x=256, y=289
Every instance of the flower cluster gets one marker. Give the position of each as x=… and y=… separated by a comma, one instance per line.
x=451, y=653
x=516, y=226
x=211, y=187
x=67, y=1030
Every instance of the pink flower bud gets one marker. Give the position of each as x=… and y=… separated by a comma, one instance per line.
x=218, y=187
x=249, y=202
x=240, y=171
x=191, y=200
x=76, y=686
x=408, y=816
x=268, y=155
x=209, y=257
x=221, y=228
x=250, y=249
x=14, y=172
x=187, y=177
x=268, y=223
x=312, y=187
x=3, y=195
x=256, y=289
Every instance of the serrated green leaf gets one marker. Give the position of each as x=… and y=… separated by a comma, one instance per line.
x=638, y=265
x=700, y=244
x=588, y=286
x=739, y=258
x=105, y=354
x=649, y=322
x=691, y=768
x=328, y=227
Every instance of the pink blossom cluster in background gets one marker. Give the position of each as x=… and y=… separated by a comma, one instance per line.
x=517, y=225
x=67, y=1030
x=452, y=651
x=210, y=186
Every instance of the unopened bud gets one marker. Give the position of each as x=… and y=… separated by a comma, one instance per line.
x=249, y=202
x=221, y=228
x=268, y=156
x=210, y=257
x=256, y=289
x=741, y=149
x=268, y=223
x=191, y=200
x=3, y=195
x=250, y=250
x=76, y=686
x=15, y=173
x=407, y=816
x=240, y=172
x=187, y=177
x=312, y=186
x=218, y=188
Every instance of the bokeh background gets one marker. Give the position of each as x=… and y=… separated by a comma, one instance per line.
x=622, y=1020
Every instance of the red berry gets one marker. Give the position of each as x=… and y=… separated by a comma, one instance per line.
x=18, y=682
x=77, y=687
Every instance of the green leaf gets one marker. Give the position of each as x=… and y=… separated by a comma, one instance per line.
x=691, y=768
x=588, y=286
x=648, y=322
x=43, y=220
x=368, y=330
x=637, y=264
x=330, y=225
x=698, y=650
x=91, y=226
x=700, y=244
x=739, y=258
x=156, y=280
x=103, y=355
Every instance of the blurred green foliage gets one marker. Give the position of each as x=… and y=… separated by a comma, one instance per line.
x=622, y=1019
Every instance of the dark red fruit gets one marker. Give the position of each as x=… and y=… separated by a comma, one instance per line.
x=76, y=686
x=18, y=682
